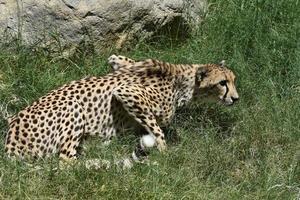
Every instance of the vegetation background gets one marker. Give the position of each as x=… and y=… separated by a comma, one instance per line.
x=248, y=151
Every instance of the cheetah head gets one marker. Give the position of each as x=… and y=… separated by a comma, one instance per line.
x=217, y=82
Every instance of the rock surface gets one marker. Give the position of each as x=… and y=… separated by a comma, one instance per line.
x=65, y=24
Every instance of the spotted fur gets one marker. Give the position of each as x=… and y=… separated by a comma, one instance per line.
x=136, y=94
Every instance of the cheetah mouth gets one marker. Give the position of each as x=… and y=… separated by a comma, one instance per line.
x=228, y=104
x=111, y=62
x=225, y=102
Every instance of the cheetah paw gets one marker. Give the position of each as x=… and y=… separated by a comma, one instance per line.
x=125, y=163
x=97, y=164
x=161, y=145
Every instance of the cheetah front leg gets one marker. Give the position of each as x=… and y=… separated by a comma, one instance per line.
x=70, y=135
x=133, y=99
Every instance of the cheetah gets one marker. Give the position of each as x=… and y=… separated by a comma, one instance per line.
x=142, y=94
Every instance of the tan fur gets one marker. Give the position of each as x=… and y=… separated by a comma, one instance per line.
x=137, y=94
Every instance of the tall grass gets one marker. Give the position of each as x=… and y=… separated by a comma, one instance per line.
x=249, y=151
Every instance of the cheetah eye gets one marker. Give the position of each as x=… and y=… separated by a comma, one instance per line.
x=223, y=82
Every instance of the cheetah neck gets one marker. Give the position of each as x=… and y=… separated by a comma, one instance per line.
x=184, y=85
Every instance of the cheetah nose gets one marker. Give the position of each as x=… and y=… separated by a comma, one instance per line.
x=234, y=99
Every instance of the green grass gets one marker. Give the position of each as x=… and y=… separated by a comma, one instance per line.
x=249, y=151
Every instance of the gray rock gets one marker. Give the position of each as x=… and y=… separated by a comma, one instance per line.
x=66, y=24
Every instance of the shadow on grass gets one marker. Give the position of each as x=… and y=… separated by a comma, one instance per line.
x=207, y=117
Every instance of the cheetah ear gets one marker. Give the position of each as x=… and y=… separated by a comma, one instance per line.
x=202, y=73
x=222, y=63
